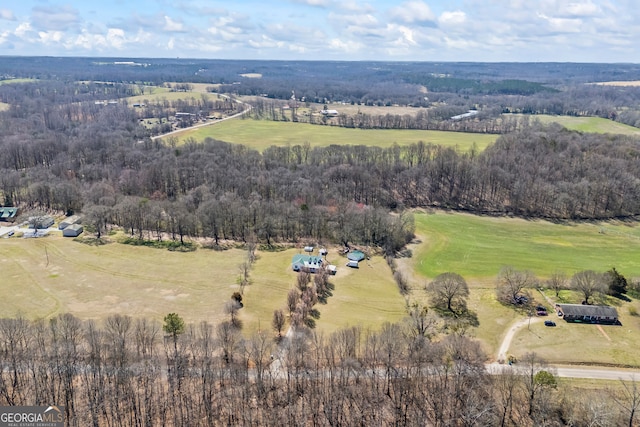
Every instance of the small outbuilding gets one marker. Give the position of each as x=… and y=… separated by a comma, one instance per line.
x=73, y=219
x=353, y=264
x=308, y=248
x=73, y=230
x=356, y=256
x=580, y=313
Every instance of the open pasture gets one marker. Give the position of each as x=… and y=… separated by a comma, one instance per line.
x=260, y=134
x=44, y=277
x=588, y=124
x=477, y=247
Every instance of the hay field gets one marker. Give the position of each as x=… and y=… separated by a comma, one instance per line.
x=260, y=134
x=477, y=247
x=587, y=124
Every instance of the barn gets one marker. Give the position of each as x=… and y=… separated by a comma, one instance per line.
x=580, y=313
x=8, y=213
x=74, y=230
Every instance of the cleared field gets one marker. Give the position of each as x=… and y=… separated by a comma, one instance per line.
x=477, y=247
x=10, y=81
x=260, y=134
x=47, y=276
x=569, y=343
x=161, y=95
x=44, y=277
x=367, y=296
x=4, y=106
x=588, y=124
x=632, y=83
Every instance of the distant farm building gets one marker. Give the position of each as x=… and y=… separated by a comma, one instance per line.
x=311, y=264
x=353, y=264
x=74, y=219
x=466, y=115
x=8, y=213
x=580, y=313
x=329, y=113
x=73, y=230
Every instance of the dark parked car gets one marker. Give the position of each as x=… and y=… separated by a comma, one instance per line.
x=549, y=323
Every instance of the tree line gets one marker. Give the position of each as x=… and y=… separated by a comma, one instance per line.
x=137, y=372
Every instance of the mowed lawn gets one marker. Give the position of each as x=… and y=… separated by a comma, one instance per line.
x=478, y=247
x=44, y=277
x=367, y=296
x=260, y=134
x=51, y=275
x=588, y=124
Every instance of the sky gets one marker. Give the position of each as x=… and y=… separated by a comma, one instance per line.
x=413, y=30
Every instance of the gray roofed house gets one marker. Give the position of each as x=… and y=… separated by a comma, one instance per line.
x=589, y=313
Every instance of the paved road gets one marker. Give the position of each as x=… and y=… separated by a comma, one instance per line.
x=209, y=123
x=586, y=371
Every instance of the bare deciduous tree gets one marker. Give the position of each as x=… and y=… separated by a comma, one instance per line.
x=449, y=291
x=588, y=283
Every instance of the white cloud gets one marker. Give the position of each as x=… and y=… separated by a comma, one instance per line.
x=171, y=25
x=562, y=25
x=349, y=47
x=23, y=29
x=457, y=17
x=414, y=11
x=7, y=14
x=583, y=9
x=48, y=37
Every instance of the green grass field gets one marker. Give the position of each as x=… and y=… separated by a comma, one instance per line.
x=260, y=134
x=478, y=247
x=588, y=124
x=10, y=81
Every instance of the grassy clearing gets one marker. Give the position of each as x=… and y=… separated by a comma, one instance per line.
x=260, y=134
x=97, y=281
x=12, y=81
x=161, y=95
x=367, y=296
x=52, y=275
x=569, y=343
x=588, y=124
x=4, y=106
x=478, y=247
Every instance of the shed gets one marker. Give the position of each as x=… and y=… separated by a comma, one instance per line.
x=73, y=230
x=580, y=313
x=332, y=269
x=74, y=219
x=322, y=251
x=352, y=264
x=356, y=256
x=308, y=248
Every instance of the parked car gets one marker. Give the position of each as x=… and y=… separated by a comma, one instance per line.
x=549, y=323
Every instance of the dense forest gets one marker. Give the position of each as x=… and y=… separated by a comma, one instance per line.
x=63, y=152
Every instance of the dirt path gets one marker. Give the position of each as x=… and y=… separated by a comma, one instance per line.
x=506, y=341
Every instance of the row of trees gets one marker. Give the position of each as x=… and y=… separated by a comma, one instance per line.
x=127, y=372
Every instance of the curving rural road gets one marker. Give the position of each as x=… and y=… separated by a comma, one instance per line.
x=587, y=371
x=241, y=113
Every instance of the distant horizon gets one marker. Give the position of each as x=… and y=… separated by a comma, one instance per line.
x=519, y=31
x=313, y=60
